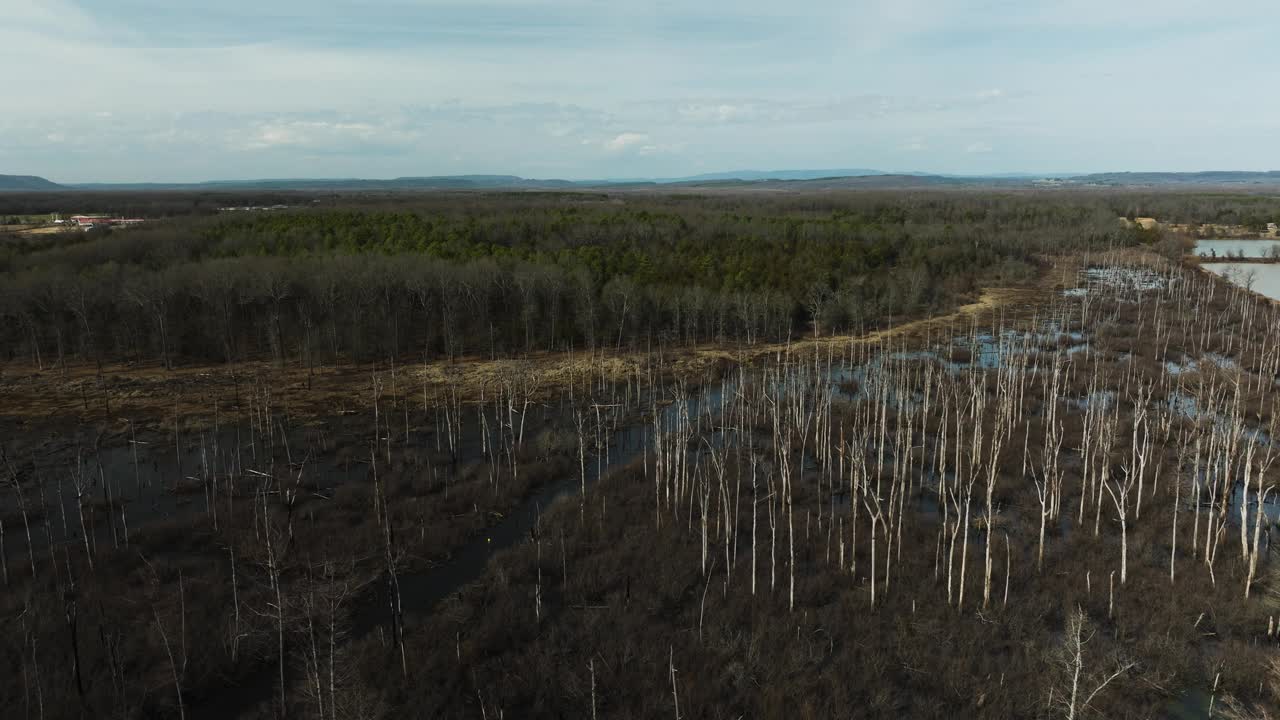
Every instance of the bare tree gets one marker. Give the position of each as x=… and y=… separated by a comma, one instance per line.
x=1083, y=684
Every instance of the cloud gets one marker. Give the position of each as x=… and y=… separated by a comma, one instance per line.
x=582, y=88
x=626, y=140
x=718, y=112
x=46, y=16
x=308, y=133
x=651, y=149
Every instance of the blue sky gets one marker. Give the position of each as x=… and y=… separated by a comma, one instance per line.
x=173, y=90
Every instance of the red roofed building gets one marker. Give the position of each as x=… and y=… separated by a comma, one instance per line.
x=91, y=221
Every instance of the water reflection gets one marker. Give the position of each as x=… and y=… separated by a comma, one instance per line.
x=1229, y=248
x=1262, y=278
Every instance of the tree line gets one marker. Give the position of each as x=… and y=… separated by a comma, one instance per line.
x=447, y=275
x=1220, y=208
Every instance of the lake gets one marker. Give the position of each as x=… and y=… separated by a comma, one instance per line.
x=1225, y=248
x=1265, y=277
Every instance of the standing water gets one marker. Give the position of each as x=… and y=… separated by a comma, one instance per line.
x=1262, y=278
x=1225, y=248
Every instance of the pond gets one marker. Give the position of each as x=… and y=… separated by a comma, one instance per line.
x=1228, y=248
x=1262, y=278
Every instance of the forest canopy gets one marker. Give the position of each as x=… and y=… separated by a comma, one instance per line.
x=348, y=279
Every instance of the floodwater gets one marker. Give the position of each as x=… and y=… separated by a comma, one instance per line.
x=421, y=591
x=1192, y=704
x=1261, y=278
x=1210, y=359
x=1228, y=248
x=1119, y=280
x=142, y=484
x=1132, y=279
x=152, y=481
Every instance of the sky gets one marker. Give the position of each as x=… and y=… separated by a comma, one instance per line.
x=178, y=90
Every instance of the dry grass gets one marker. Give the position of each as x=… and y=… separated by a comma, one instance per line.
x=147, y=390
x=991, y=300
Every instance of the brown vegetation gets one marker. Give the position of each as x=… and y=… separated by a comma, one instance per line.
x=1055, y=501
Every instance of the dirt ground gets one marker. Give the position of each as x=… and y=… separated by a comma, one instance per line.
x=48, y=230
x=44, y=231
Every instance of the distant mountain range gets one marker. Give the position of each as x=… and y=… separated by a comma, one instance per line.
x=749, y=179
x=26, y=182
x=442, y=182
x=776, y=175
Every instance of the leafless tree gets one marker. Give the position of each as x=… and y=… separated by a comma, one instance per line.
x=1083, y=683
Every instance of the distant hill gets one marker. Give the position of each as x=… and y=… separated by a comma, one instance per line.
x=743, y=178
x=857, y=182
x=443, y=182
x=26, y=182
x=779, y=175
x=782, y=180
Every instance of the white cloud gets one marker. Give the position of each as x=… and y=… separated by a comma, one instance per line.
x=662, y=149
x=583, y=88
x=626, y=140
x=703, y=112
x=308, y=133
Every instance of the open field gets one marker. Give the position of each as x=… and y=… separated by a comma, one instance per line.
x=47, y=230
